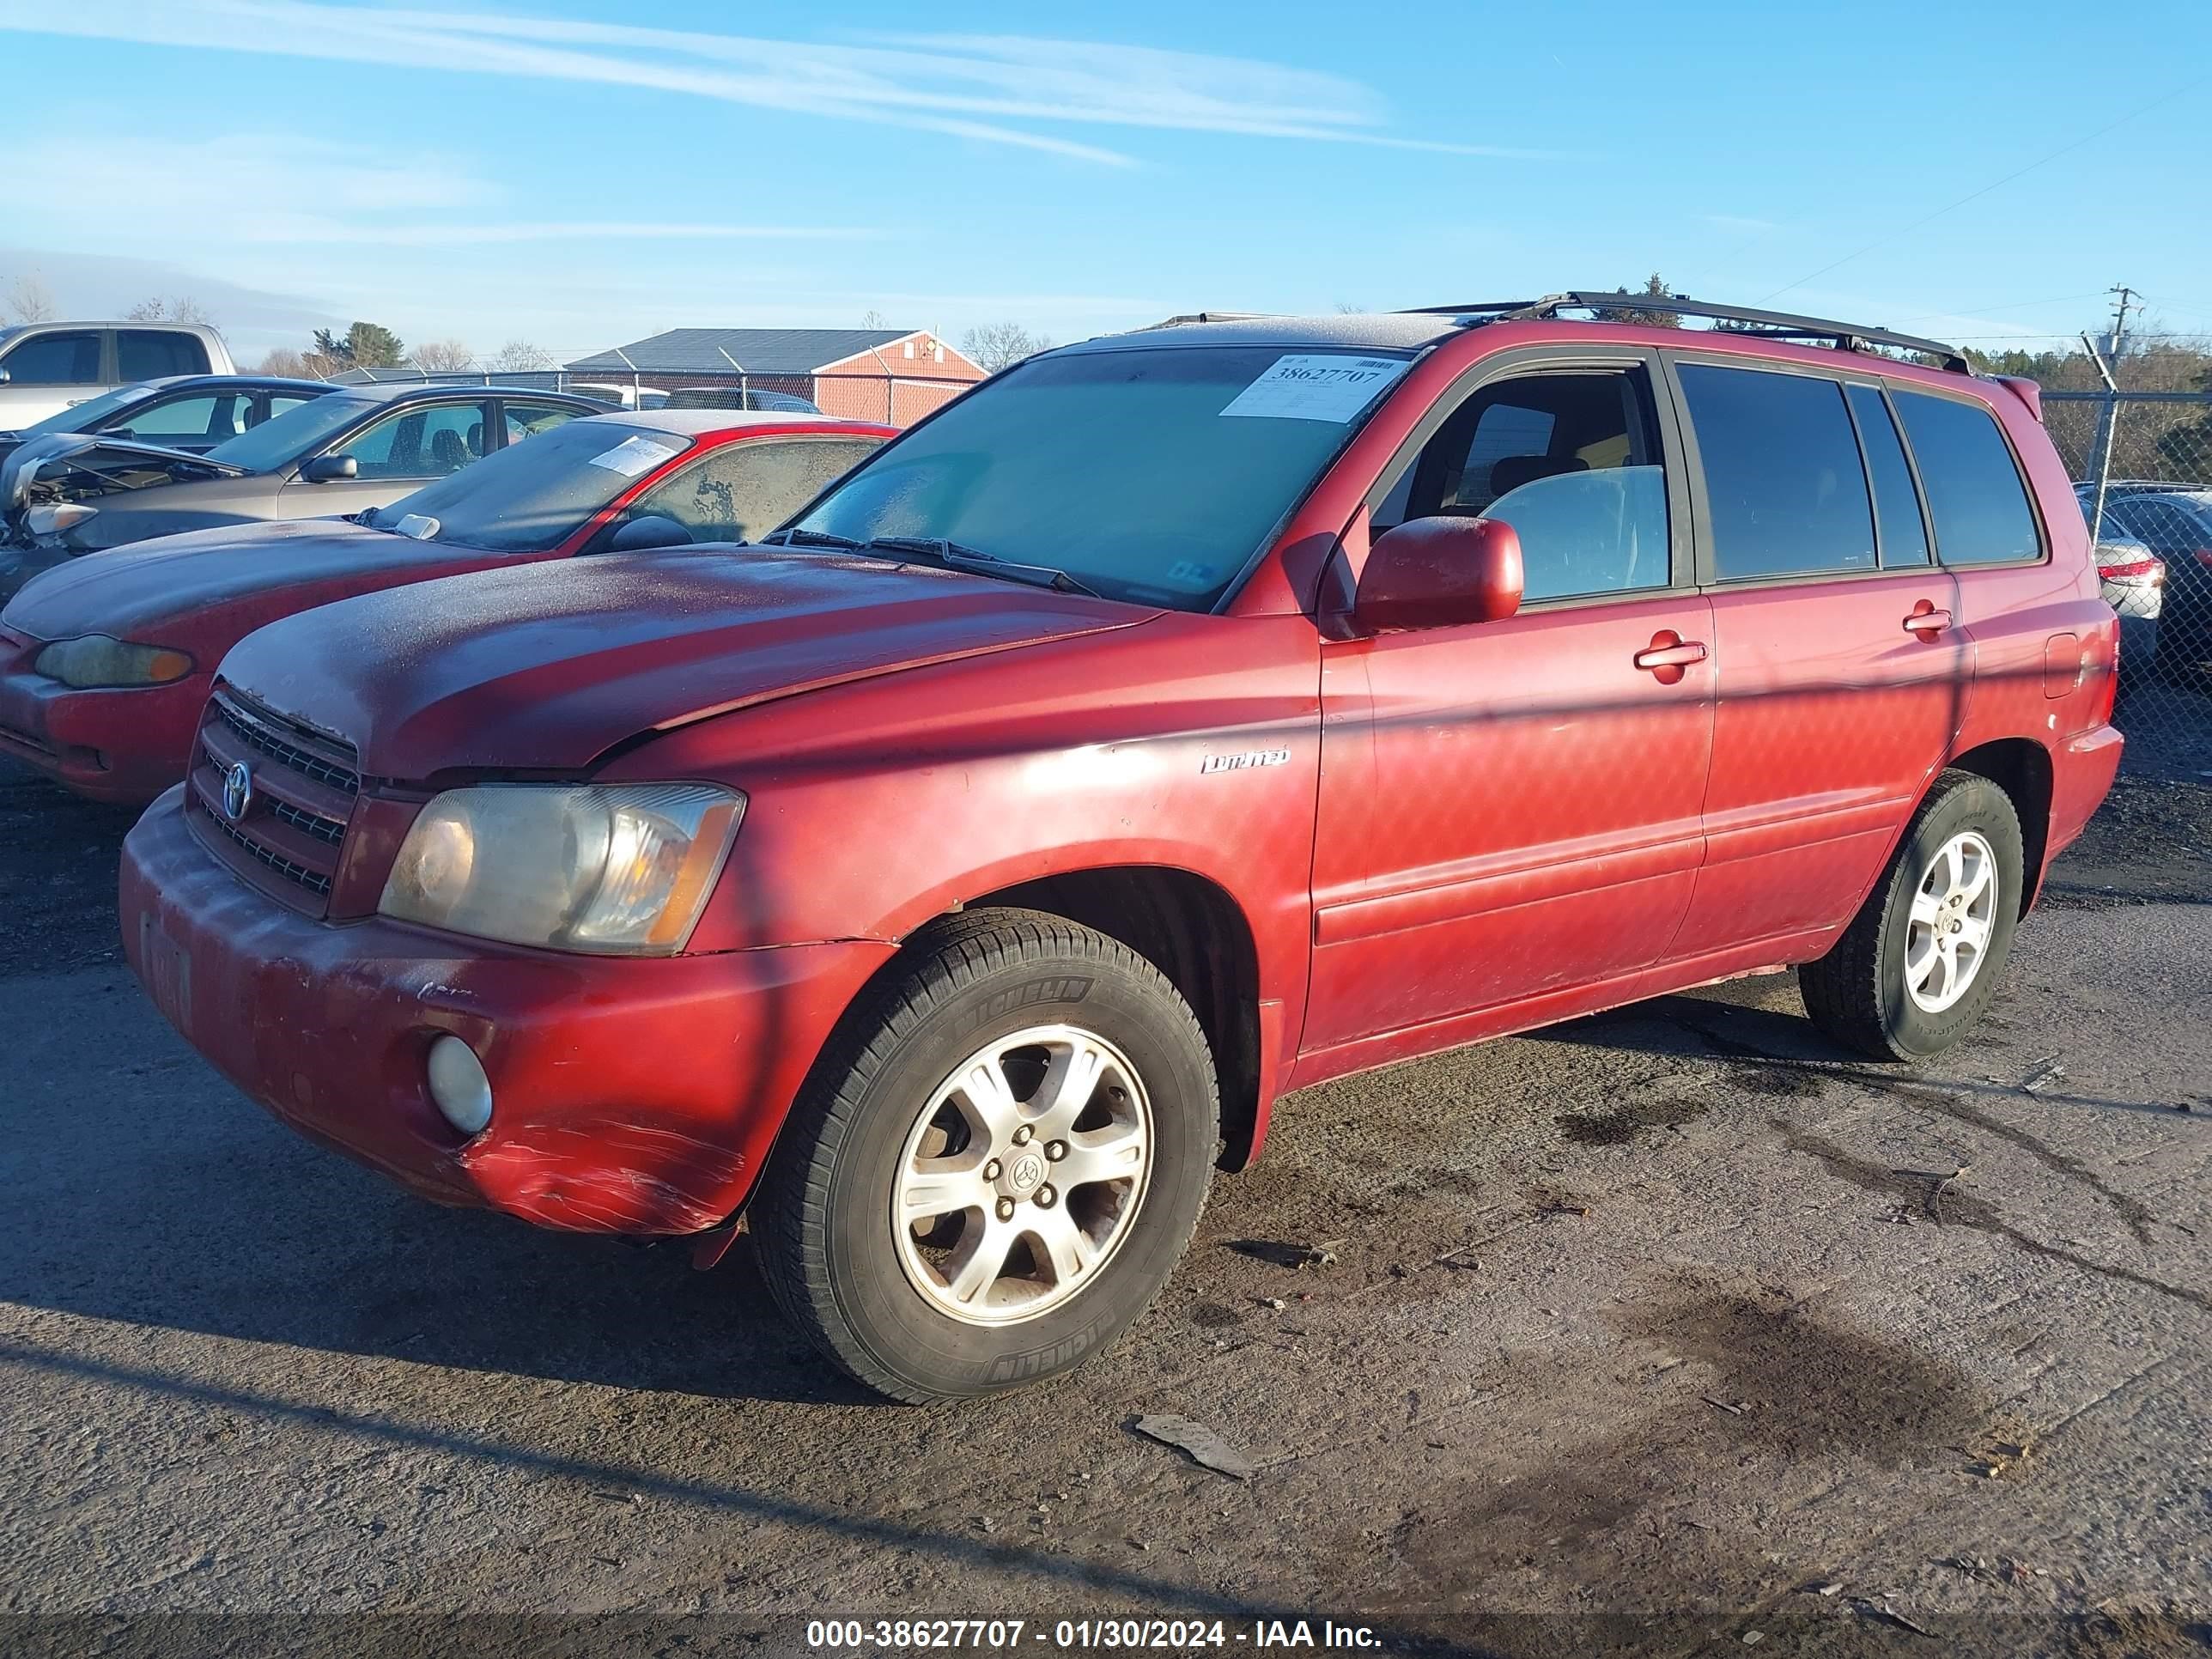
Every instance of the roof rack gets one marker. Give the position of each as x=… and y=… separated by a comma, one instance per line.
x=1845, y=336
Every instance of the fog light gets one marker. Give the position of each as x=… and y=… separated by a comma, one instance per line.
x=459, y=1085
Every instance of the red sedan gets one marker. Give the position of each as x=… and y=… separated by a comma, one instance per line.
x=106, y=662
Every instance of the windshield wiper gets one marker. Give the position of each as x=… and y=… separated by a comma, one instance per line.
x=807, y=538
x=958, y=556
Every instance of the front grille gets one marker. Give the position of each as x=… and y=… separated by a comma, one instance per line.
x=300, y=759
x=289, y=837
x=320, y=884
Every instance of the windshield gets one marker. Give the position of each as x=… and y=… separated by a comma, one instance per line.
x=93, y=412
x=296, y=434
x=529, y=496
x=1151, y=475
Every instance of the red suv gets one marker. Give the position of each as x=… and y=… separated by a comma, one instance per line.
x=1176, y=719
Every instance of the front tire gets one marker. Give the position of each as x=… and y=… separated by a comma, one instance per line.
x=997, y=1163
x=1919, y=963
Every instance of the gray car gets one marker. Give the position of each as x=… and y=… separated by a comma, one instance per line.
x=355, y=447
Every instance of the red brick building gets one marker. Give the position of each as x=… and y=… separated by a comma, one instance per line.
x=887, y=374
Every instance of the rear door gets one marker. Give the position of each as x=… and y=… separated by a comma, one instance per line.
x=1841, y=670
x=1509, y=810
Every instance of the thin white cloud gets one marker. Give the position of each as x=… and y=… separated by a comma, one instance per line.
x=977, y=87
x=235, y=189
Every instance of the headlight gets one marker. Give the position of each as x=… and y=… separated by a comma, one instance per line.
x=51, y=517
x=620, y=869
x=93, y=661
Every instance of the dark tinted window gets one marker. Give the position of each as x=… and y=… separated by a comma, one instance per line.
x=147, y=353
x=1784, y=488
x=1975, y=497
x=1896, y=502
x=54, y=360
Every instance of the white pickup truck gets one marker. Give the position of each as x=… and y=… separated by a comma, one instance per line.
x=47, y=367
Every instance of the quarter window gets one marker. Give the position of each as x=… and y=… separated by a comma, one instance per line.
x=148, y=354
x=1785, y=492
x=1896, y=502
x=1975, y=497
x=54, y=360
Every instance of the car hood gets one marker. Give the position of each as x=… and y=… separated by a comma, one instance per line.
x=545, y=669
x=54, y=453
x=131, y=592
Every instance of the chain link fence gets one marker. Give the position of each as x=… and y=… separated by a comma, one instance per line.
x=2142, y=465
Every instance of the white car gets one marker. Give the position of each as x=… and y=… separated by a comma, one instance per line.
x=44, y=368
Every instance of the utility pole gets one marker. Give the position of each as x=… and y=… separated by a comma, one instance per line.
x=2115, y=343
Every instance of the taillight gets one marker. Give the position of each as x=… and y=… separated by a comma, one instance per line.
x=2137, y=568
x=2204, y=556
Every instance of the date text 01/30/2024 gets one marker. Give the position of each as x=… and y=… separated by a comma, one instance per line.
x=1084, y=1635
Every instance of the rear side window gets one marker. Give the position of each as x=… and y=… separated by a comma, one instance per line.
x=54, y=360
x=1975, y=497
x=148, y=354
x=1896, y=502
x=1785, y=493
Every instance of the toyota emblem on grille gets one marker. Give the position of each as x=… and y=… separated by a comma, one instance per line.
x=237, y=791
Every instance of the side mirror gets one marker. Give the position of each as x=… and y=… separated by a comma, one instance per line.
x=5, y=377
x=652, y=530
x=1439, y=573
x=331, y=469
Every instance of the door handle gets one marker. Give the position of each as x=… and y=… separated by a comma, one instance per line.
x=1671, y=656
x=1927, y=619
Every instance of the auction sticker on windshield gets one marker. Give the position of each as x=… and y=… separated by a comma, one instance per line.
x=633, y=456
x=1319, y=387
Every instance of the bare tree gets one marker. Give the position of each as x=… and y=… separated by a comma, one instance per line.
x=444, y=355
x=518, y=356
x=994, y=345
x=28, y=300
x=294, y=365
x=182, y=309
x=874, y=318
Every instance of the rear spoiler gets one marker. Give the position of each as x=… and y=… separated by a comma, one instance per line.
x=2028, y=391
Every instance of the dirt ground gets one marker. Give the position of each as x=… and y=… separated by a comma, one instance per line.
x=1670, y=1330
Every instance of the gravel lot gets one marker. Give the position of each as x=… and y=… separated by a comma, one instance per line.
x=1654, y=1333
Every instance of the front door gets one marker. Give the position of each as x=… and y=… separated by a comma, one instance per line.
x=1510, y=812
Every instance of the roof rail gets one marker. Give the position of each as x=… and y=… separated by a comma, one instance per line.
x=1190, y=316
x=1845, y=336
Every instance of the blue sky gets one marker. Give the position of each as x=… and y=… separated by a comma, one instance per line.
x=579, y=173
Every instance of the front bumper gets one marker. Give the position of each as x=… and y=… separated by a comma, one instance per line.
x=124, y=743
x=631, y=1095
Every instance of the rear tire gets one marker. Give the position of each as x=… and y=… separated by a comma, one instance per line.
x=1919, y=963
x=1015, y=1055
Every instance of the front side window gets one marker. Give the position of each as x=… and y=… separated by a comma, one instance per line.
x=530, y=497
x=1785, y=491
x=744, y=490
x=1572, y=461
x=54, y=360
x=420, y=443
x=202, y=417
x=148, y=354
x=1975, y=497
x=1152, y=473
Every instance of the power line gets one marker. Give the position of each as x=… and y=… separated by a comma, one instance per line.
x=2064, y=150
